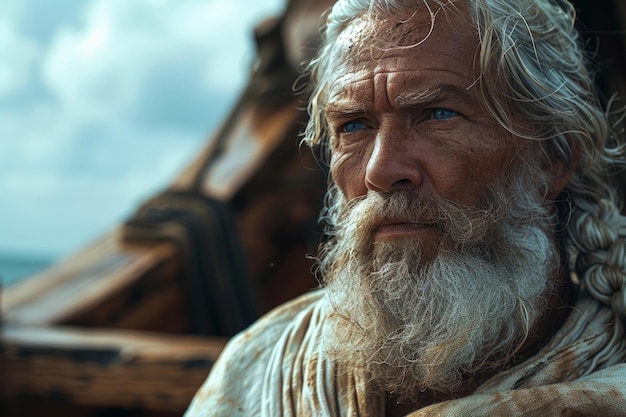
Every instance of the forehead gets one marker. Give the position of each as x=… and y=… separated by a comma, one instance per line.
x=380, y=31
x=423, y=39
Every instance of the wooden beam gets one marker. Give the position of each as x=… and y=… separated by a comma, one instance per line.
x=105, y=367
x=81, y=286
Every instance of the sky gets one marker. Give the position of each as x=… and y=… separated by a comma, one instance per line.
x=102, y=102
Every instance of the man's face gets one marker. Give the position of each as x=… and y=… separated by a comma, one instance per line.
x=404, y=115
x=442, y=254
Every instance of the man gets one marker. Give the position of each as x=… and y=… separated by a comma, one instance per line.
x=476, y=260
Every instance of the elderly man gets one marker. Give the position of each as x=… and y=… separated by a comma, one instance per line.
x=476, y=259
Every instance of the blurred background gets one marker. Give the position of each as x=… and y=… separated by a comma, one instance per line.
x=101, y=103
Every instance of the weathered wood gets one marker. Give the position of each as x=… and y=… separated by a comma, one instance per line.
x=258, y=132
x=106, y=284
x=105, y=367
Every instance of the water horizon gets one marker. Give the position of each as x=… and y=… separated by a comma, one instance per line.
x=15, y=267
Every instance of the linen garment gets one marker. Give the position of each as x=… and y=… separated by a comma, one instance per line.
x=278, y=367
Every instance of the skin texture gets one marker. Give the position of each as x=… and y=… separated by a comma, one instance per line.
x=408, y=118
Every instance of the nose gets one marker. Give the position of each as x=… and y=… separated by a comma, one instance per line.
x=391, y=165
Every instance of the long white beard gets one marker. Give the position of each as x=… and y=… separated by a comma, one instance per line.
x=420, y=324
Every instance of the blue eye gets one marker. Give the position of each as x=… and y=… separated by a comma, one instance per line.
x=353, y=126
x=442, y=114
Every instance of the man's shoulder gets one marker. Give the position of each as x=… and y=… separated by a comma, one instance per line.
x=266, y=331
x=285, y=313
x=235, y=380
x=602, y=393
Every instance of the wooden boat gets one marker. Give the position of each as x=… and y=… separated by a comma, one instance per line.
x=132, y=324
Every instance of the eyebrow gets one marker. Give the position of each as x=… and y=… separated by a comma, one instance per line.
x=429, y=96
x=346, y=107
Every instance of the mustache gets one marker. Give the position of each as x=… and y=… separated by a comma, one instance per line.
x=457, y=223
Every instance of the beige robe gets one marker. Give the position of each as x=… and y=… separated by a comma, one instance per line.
x=278, y=368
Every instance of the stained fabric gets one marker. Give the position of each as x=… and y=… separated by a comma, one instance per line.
x=278, y=367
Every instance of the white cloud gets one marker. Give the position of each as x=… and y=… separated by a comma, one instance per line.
x=18, y=56
x=118, y=100
x=124, y=43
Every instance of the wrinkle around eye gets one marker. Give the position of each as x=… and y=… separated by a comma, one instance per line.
x=347, y=156
x=352, y=141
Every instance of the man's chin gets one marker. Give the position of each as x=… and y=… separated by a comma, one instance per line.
x=413, y=251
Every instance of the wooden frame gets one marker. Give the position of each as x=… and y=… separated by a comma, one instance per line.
x=104, y=329
x=106, y=367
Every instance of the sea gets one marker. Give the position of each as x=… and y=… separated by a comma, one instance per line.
x=14, y=268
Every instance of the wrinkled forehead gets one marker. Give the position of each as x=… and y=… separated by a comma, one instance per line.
x=376, y=34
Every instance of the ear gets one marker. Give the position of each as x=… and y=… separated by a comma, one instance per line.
x=562, y=174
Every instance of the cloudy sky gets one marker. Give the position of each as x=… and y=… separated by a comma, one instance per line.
x=103, y=101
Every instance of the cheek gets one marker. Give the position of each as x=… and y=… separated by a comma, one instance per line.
x=348, y=172
x=497, y=166
x=475, y=169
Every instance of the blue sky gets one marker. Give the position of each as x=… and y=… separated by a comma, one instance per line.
x=103, y=101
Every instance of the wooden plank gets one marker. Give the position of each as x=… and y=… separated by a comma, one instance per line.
x=105, y=367
x=77, y=285
x=257, y=133
x=154, y=300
